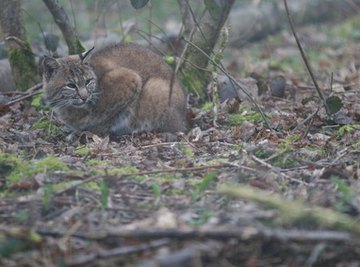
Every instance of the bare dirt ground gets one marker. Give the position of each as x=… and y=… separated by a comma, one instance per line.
x=230, y=192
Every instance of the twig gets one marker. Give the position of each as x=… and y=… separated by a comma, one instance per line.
x=305, y=58
x=276, y=170
x=29, y=93
x=115, y=252
x=310, y=117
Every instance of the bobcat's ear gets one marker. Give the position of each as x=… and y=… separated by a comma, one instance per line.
x=83, y=56
x=49, y=65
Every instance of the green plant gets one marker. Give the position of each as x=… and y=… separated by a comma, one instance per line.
x=348, y=129
x=105, y=192
x=156, y=189
x=203, y=185
x=346, y=194
x=239, y=118
x=37, y=102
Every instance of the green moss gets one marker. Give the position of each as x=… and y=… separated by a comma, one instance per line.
x=23, y=66
x=284, y=161
x=207, y=106
x=96, y=162
x=45, y=124
x=349, y=29
x=319, y=150
x=263, y=154
x=237, y=119
x=82, y=151
x=49, y=164
x=13, y=169
x=76, y=48
x=348, y=129
x=37, y=103
x=187, y=151
x=123, y=170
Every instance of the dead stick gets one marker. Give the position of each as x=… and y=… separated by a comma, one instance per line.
x=228, y=232
x=30, y=93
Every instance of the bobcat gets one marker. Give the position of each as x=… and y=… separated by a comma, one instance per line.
x=120, y=89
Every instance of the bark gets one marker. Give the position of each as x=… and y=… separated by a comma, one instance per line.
x=62, y=20
x=21, y=58
x=204, y=36
x=253, y=23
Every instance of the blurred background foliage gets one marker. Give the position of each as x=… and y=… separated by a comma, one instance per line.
x=94, y=18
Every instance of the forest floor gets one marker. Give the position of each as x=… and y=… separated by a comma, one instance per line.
x=230, y=192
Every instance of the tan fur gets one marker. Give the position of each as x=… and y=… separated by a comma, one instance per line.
x=121, y=89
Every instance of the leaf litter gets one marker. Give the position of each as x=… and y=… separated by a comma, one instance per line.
x=152, y=199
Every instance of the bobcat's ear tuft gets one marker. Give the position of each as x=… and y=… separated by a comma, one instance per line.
x=49, y=66
x=83, y=56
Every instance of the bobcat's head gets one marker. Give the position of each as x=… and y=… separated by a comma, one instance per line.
x=69, y=81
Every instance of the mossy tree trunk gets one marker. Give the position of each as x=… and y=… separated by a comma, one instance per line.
x=22, y=61
x=204, y=36
x=62, y=20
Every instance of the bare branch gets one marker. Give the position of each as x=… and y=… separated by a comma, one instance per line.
x=305, y=58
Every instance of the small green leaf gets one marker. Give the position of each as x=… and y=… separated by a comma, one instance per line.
x=104, y=189
x=156, y=189
x=203, y=185
x=169, y=59
x=138, y=3
x=334, y=104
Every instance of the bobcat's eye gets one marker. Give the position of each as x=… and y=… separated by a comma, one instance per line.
x=88, y=81
x=71, y=85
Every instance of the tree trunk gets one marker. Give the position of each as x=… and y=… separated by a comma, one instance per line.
x=204, y=36
x=21, y=58
x=63, y=22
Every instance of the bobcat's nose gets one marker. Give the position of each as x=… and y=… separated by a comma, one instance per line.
x=83, y=93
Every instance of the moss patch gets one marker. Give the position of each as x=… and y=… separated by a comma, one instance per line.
x=13, y=169
x=37, y=103
x=23, y=66
x=236, y=119
x=46, y=125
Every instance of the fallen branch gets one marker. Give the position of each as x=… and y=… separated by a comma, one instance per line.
x=244, y=233
x=294, y=211
x=29, y=93
x=79, y=260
